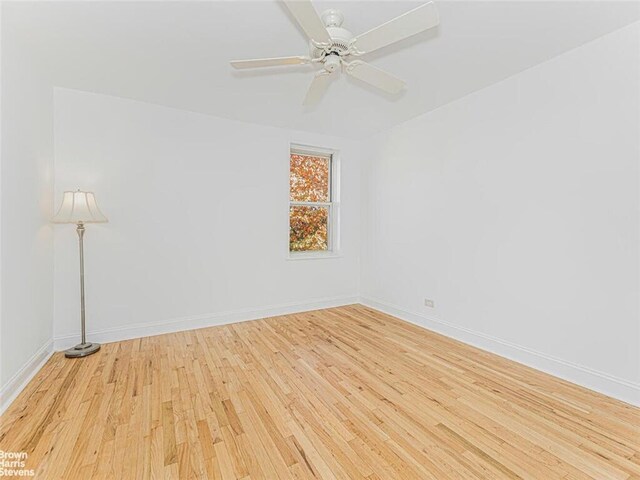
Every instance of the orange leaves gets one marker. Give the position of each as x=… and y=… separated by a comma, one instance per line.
x=309, y=178
x=308, y=228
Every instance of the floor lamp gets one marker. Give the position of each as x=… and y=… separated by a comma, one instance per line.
x=79, y=208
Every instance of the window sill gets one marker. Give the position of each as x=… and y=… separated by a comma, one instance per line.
x=314, y=256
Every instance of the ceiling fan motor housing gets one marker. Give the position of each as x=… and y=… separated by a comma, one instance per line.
x=340, y=37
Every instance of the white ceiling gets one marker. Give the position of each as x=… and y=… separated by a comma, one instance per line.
x=176, y=54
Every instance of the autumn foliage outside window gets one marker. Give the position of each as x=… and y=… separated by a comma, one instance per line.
x=309, y=202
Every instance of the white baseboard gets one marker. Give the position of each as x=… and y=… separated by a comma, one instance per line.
x=587, y=377
x=16, y=384
x=147, y=329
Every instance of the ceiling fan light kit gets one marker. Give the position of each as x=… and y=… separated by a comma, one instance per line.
x=334, y=47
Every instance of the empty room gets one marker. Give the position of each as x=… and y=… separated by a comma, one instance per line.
x=317, y=239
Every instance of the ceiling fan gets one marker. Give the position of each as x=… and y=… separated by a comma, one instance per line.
x=334, y=47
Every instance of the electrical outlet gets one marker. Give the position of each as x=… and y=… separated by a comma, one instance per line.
x=429, y=303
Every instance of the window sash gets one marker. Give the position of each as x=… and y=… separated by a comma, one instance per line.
x=329, y=209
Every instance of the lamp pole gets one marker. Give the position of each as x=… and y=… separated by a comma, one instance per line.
x=80, y=231
x=83, y=348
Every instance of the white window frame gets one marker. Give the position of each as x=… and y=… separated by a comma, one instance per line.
x=333, y=226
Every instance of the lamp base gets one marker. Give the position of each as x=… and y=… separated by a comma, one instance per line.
x=82, y=350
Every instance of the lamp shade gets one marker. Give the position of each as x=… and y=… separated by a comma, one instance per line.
x=79, y=207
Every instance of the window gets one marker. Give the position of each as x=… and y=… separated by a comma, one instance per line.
x=312, y=206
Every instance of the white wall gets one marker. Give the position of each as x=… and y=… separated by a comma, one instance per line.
x=26, y=259
x=198, y=212
x=516, y=210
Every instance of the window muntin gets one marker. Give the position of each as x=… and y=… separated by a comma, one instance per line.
x=311, y=208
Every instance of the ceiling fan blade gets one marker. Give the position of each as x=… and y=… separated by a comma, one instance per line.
x=414, y=21
x=318, y=86
x=269, y=62
x=308, y=19
x=374, y=76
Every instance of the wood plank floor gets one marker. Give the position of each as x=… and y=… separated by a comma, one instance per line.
x=340, y=393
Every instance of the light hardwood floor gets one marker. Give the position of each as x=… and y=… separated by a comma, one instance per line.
x=339, y=393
